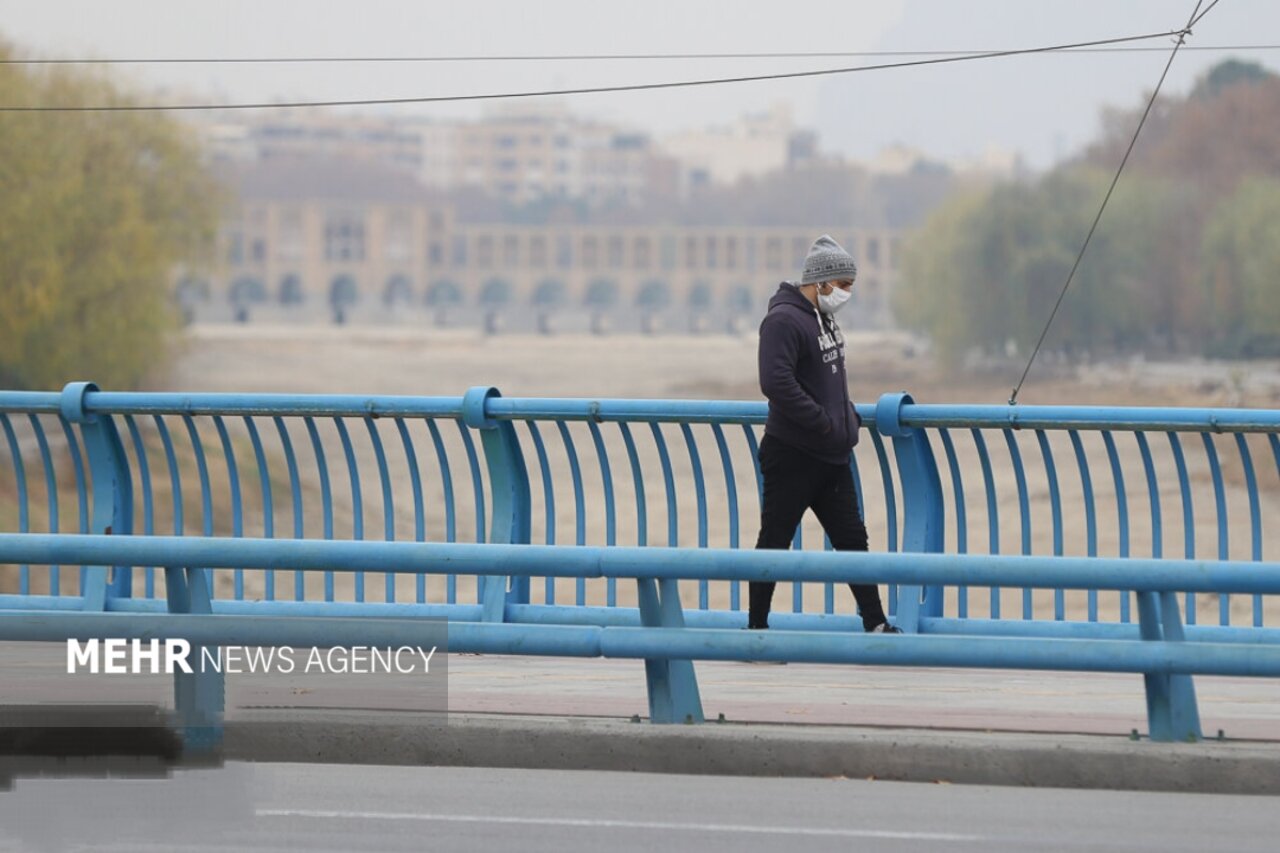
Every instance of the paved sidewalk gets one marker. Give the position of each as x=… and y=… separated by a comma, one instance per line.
x=913, y=724
x=990, y=727
x=917, y=698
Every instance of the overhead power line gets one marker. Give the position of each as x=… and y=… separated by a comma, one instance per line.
x=603, y=57
x=824, y=72
x=1196, y=15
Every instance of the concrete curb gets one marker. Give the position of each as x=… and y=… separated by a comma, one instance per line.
x=738, y=749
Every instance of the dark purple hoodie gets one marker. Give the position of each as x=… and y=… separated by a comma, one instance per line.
x=802, y=375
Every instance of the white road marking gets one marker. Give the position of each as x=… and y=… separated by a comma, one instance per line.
x=593, y=823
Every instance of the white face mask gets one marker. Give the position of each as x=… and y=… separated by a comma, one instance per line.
x=830, y=303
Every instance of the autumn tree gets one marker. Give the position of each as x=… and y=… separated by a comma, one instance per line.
x=96, y=208
x=1181, y=261
x=1241, y=261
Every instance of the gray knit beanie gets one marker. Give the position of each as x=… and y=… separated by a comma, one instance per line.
x=827, y=261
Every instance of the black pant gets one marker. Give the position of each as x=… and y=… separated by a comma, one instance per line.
x=793, y=482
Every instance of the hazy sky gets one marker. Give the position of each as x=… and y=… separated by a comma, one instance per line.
x=1043, y=106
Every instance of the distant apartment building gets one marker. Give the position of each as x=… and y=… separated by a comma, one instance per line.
x=273, y=137
x=347, y=240
x=517, y=155
x=752, y=145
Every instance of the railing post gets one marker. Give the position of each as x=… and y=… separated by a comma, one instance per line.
x=112, y=493
x=512, y=506
x=673, y=684
x=922, y=528
x=199, y=696
x=1172, y=712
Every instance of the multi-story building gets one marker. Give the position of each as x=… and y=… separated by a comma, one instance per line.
x=283, y=136
x=518, y=155
x=322, y=241
x=752, y=145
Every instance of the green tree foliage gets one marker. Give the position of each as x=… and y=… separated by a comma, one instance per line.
x=95, y=211
x=1180, y=259
x=1229, y=73
x=1241, y=264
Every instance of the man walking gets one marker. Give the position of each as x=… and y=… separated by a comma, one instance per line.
x=812, y=427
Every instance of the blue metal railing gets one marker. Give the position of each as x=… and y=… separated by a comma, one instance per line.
x=1159, y=650
x=963, y=479
x=1092, y=500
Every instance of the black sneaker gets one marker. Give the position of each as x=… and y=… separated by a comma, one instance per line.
x=885, y=628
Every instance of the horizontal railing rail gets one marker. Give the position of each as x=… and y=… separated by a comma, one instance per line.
x=1159, y=651
x=1146, y=418
x=622, y=562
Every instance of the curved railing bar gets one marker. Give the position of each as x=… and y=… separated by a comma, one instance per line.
x=268, y=502
x=477, y=483
x=24, y=514
x=326, y=496
x=1153, y=495
x=1055, y=512
x=202, y=471
x=1157, y=527
x=206, y=499
x=962, y=526
x=731, y=490
x=669, y=482
x=450, y=509
x=1122, y=510
x=148, y=504
x=754, y=447
x=700, y=494
x=1024, y=512
x=1220, y=504
x=1188, y=517
x=610, y=509
x=548, y=502
x=295, y=491
x=51, y=493
x=1090, y=514
x=237, y=515
x=419, y=503
x=206, y=490
x=175, y=476
x=993, y=509
x=1255, y=517
x=637, y=482
x=388, y=502
x=357, y=498
x=579, y=503
x=890, y=501
x=77, y=465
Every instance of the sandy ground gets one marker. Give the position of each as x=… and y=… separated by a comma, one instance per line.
x=398, y=360
x=446, y=362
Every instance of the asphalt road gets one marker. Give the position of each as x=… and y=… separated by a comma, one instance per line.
x=340, y=807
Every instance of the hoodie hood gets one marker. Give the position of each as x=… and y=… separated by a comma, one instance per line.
x=788, y=294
